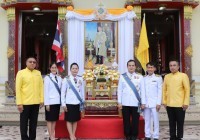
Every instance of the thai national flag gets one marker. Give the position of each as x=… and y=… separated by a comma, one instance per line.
x=57, y=46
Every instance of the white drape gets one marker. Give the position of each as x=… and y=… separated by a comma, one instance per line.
x=76, y=52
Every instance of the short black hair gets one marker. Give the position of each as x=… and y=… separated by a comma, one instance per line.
x=73, y=64
x=52, y=64
x=30, y=56
x=151, y=64
x=174, y=59
x=131, y=60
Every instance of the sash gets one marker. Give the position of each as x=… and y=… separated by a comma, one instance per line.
x=77, y=94
x=132, y=86
x=56, y=85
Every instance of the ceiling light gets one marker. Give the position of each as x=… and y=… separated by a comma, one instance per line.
x=161, y=7
x=36, y=8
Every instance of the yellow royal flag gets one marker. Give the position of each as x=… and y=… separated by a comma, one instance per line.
x=143, y=48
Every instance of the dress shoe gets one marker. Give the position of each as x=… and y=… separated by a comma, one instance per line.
x=128, y=138
x=147, y=138
x=133, y=138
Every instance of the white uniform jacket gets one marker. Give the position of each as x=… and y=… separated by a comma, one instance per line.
x=153, y=90
x=126, y=96
x=51, y=94
x=67, y=94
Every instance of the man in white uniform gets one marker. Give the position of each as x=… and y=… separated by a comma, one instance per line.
x=128, y=101
x=153, y=96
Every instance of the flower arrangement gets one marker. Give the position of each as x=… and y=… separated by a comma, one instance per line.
x=100, y=70
x=113, y=75
x=88, y=75
x=101, y=74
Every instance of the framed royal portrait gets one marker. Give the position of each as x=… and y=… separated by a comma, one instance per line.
x=100, y=43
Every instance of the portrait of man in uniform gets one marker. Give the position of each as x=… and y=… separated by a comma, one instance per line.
x=100, y=42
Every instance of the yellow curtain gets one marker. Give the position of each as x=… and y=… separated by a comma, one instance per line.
x=143, y=48
x=117, y=11
x=84, y=12
x=110, y=11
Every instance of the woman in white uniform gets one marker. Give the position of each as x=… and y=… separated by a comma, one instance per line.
x=72, y=97
x=52, y=97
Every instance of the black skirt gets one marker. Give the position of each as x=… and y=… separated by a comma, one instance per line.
x=73, y=113
x=53, y=114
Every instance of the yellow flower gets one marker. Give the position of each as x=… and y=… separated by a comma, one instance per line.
x=129, y=8
x=70, y=8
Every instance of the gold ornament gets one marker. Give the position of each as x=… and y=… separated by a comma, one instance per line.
x=11, y=13
x=137, y=10
x=188, y=12
x=189, y=51
x=62, y=12
x=10, y=52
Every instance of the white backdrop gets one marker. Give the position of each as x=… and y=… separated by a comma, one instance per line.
x=76, y=38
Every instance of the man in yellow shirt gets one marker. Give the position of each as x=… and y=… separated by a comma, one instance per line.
x=176, y=94
x=29, y=97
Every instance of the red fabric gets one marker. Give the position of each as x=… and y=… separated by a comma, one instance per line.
x=96, y=127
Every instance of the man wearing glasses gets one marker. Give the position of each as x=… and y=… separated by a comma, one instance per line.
x=29, y=97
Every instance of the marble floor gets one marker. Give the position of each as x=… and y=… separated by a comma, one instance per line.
x=12, y=133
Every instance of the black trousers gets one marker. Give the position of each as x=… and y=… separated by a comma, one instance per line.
x=29, y=116
x=99, y=59
x=130, y=128
x=176, y=117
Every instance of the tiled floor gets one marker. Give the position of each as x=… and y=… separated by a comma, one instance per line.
x=12, y=133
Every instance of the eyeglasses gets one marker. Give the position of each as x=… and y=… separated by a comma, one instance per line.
x=34, y=62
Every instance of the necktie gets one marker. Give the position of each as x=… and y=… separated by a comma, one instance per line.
x=56, y=79
x=75, y=80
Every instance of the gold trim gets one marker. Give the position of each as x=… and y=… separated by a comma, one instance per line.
x=62, y=12
x=10, y=52
x=137, y=10
x=10, y=1
x=65, y=51
x=189, y=51
x=135, y=50
x=101, y=103
x=11, y=13
x=188, y=12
